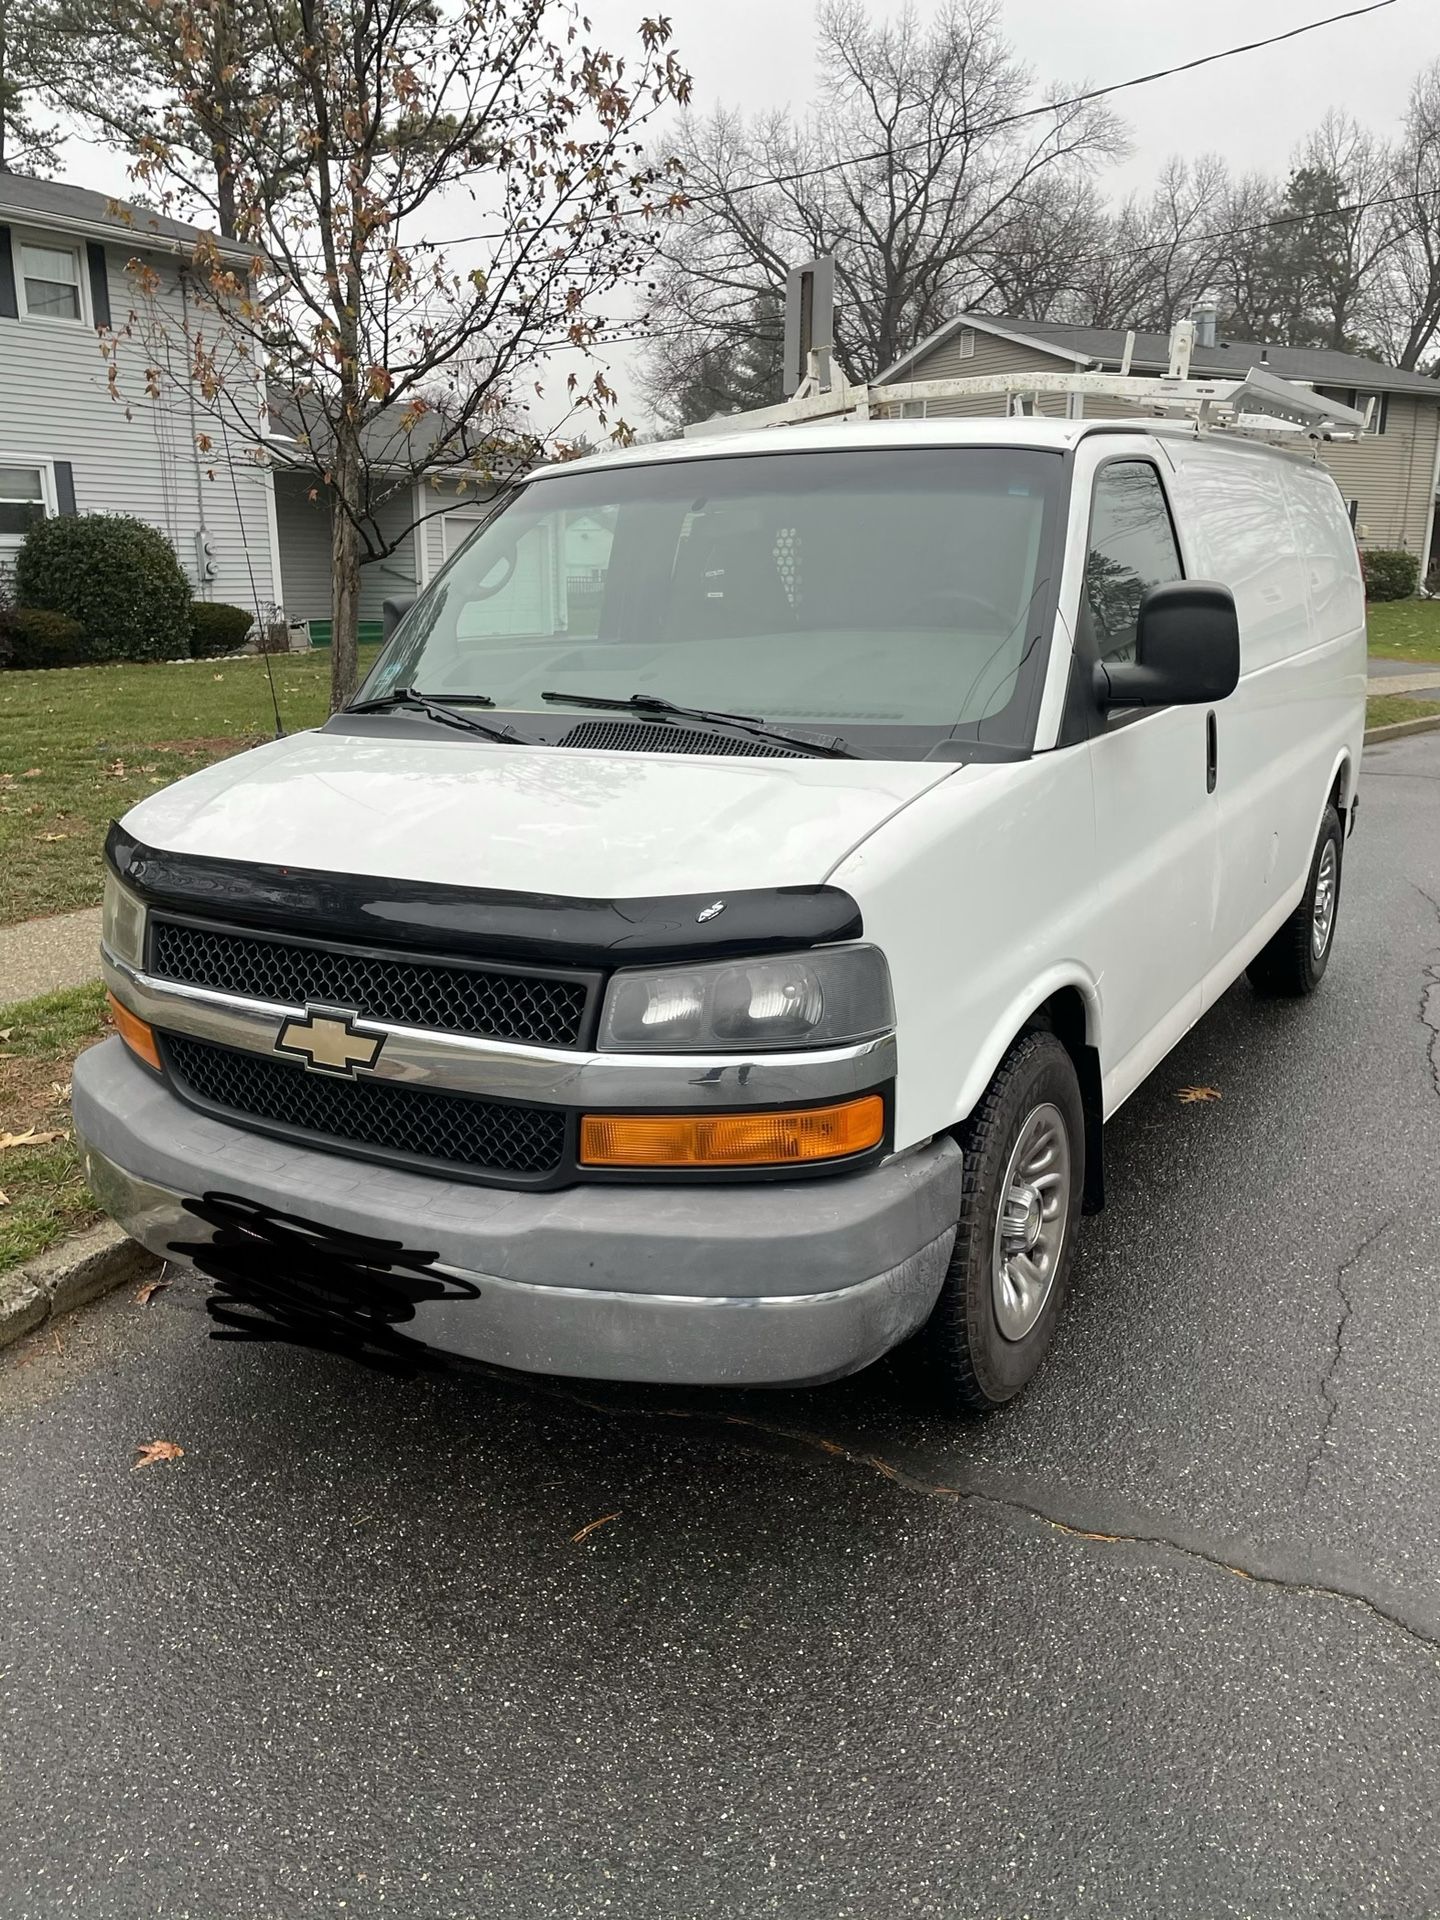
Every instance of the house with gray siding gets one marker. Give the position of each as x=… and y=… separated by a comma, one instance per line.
x=67, y=444
x=1390, y=477
x=246, y=530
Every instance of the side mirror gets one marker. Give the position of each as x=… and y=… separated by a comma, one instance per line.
x=392, y=612
x=1187, y=650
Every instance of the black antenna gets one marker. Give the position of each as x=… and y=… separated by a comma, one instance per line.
x=260, y=632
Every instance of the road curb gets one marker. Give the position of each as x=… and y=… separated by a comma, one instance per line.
x=78, y=1270
x=1427, y=723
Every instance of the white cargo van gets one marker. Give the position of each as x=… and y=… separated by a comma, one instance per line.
x=709, y=948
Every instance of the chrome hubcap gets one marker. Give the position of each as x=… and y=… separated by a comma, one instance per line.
x=1323, y=913
x=1032, y=1221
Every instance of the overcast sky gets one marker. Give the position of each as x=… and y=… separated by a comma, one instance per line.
x=1252, y=109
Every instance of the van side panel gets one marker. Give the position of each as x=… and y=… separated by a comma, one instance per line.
x=1299, y=705
x=983, y=898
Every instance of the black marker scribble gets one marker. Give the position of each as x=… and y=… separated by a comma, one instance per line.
x=279, y=1276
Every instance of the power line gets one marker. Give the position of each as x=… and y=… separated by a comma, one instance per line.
x=995, y=126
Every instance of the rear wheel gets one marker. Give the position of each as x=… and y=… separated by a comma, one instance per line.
x=1293, y=962
x=1024, y=1174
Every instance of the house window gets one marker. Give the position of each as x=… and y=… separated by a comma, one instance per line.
x=913, y=409
x=1359, y=399
x=24, y=499
x=51, y=277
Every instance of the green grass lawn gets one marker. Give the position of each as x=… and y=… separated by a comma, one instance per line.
x=43, y=1195
x=1406, y=630
x=80, y=745
x=1386, y=708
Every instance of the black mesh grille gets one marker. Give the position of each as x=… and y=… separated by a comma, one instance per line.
x=414, y=993
x=446, y=1128
x=628, y=736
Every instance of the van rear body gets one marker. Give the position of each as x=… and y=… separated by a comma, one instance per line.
x=710, y=947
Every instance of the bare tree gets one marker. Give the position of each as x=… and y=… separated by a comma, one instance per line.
x=1405, y=307
x=388, y=356
x=913, y=170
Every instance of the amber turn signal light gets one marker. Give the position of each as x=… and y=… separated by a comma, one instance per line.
x=139, y=1037
x=732, y=1139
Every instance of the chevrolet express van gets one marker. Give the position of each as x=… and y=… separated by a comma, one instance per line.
x=710, y=946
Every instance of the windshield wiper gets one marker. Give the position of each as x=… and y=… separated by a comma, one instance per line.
x=829, y=743
x=410, y=697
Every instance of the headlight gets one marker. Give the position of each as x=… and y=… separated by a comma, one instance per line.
x=122, y=923
x=819, y=999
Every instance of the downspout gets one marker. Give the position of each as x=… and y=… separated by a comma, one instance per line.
x=1426, y=554
x=203, y=584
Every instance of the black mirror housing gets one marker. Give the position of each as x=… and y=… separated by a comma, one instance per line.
x=392, y=612
x=1187, y=649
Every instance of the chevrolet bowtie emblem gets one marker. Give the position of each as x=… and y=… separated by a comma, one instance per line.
x=327, y=1042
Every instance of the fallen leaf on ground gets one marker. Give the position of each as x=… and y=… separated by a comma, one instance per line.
x=591, y=1525
x=32, y=773
x=4, y=1199
x=30, y=1138
x=5, y=1032
x=54, y=836
x=60, y=1089
x=1191, y=1094
x=148, y=1292
x=153, y=1450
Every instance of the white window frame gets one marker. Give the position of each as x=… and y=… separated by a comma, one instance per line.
x=11, y=543
x=914, y=410
x=465, y=524
x=965, y=344
x=22, y=237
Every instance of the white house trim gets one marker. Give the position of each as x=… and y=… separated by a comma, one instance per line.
x=981, y=325
x=30, y=235
x=422, y=538
x=272, y=528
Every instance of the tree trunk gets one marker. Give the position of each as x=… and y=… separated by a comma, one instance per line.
x=344, y=604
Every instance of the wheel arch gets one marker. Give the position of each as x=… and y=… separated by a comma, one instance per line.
x=1067, y=1004
x=1341, y=792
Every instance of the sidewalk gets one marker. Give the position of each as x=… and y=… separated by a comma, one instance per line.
x=1398, y=677
x=42, y=956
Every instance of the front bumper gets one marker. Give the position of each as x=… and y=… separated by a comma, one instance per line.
x=770, y=1283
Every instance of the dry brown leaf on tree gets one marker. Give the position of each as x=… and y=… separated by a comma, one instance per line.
x=1190, y=1095
x=30, y=1138
x=153, y=1450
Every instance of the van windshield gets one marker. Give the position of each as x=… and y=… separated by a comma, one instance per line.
x=898, y=598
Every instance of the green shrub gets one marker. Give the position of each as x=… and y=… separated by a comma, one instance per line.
x=117, y=576
x=217, y=628
x=39, y=638
x=1390, y=573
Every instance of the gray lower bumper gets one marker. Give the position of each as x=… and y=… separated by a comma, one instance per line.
x=764, y=1284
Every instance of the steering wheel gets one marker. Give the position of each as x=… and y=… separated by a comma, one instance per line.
x=944, y=597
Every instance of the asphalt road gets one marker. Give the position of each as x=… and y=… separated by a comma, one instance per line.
x=1164, y=1638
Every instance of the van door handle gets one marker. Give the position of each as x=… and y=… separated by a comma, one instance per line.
x=1212, y=752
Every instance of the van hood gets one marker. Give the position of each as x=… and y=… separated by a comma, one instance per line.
x=549, y=820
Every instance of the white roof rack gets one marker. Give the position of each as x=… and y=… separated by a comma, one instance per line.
x=1259, y=404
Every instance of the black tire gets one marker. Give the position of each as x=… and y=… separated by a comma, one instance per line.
x=1288, y=964
x=970, y=1363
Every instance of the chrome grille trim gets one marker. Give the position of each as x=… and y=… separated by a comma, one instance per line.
x=504, y=1070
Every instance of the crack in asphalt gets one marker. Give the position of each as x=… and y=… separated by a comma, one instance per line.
x=1430, y=984
x=1330, y=1400
x=807, y=1442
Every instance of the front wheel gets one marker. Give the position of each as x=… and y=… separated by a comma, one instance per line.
x=1293, y=962
x=1024, y=1174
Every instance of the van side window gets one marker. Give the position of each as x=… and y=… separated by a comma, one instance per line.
x=1132, y=548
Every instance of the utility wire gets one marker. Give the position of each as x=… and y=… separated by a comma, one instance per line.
x=702, y=196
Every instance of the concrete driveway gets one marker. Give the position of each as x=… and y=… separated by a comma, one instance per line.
x=1164, y=1638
